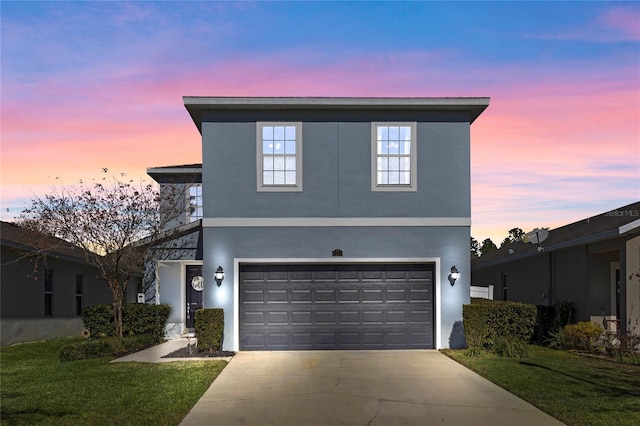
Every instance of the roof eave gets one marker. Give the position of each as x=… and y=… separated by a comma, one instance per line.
x=195, y=105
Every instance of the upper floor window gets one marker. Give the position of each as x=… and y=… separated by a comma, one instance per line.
x=194, y=210
x=393, y=157
x=279, y=160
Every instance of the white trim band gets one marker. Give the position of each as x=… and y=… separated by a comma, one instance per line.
x=242, y=222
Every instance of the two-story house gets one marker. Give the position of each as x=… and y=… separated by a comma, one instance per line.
x=329, y=223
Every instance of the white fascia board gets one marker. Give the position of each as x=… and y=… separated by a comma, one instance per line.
x=258, y=222
x=629, y=227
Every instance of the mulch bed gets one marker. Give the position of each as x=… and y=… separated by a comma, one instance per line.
x=195, y=353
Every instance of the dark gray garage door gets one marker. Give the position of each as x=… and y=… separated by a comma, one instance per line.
x=336, y=307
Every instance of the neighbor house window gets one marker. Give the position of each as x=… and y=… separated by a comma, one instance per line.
x=48, y=292
x=194, y=211
x=79, y=287
x=279, y=160
x=393, y=157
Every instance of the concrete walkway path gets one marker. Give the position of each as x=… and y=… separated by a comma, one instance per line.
x=408, y=387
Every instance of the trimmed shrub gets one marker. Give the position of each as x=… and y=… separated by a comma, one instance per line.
x=579, y=336
x=488, y=321
x=209, y=329
x=140, y=319
x=137, y=319
x=110, y=346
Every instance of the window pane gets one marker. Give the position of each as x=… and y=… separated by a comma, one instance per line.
x=290, y=178
x=383, y=178
x=393, y=147
x=267, y=147
x=290, y=147
x=383, y=148
x=48, y=305
x=78, y=284
x=394, y=163
x=278, y=163
x=290, y=163
x=267, y=133
x=405, y=163
x=405, y=178
x=383, y=163
x=267, y=178
x=405, y=133
x=383, y=133
x=267, y=162
x=394, y=133
x=405, y=148
x=290, y=133
x=394, y=178
x=278, y=178
x=278, y=133
x=278, y=147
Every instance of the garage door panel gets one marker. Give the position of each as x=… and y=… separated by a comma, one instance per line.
x=336, y=307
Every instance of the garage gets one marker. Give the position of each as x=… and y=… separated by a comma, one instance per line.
x=336, y=306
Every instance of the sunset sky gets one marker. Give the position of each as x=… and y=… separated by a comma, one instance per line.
x=87, y=85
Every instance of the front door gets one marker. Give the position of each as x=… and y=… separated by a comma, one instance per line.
x=194, y=285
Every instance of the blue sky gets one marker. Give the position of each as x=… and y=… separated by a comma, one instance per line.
x=87, y=85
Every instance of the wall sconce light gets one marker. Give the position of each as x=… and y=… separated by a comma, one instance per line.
x=219, y=276
x=454, y=275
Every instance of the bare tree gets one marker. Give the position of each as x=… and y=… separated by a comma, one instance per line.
x=111, y=220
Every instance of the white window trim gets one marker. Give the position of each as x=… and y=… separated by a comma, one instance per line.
x=279, y=188
x=374, y=158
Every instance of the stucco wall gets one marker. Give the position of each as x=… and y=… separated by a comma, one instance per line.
x=336, y=169
x=223, y=245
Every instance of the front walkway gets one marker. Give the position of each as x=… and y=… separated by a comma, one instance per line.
x=155, y=353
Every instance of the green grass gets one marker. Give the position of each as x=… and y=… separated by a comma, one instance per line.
x=574, y=389
x=36, y=388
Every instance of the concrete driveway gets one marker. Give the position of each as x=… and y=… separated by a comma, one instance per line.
x=408, y=387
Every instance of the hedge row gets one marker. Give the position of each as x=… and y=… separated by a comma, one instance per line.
x=488, y=323
x=137, y=319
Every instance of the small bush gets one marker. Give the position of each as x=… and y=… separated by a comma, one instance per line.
x=209, y=329
x=474, y=351
x=511, y=348
x=580, y=336
x=111, y=346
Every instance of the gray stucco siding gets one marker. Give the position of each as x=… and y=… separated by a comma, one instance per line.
x=449, y=245
x=336, y=173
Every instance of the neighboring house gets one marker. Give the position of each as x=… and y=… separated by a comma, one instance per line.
x=42, y=297
x=336, y=222
x=593, y=263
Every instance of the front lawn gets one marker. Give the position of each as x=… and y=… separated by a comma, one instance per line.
x=36, y=388
x=574, y=389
